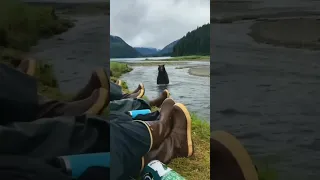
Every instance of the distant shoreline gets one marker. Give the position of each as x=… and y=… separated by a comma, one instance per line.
x=200, y=71
x=75, y=8
x=291, y=33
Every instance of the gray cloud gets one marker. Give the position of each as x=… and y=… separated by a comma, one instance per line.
x=156, y=23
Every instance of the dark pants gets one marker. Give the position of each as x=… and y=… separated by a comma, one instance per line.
x=125, y=105
x=115, y=92
x=130, y=141
x=18, y=95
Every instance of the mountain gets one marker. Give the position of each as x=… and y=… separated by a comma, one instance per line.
x=146, y=51
x=196, y=42
x=120, y=49
x=168, y=48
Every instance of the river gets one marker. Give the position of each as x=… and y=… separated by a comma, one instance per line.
x=268, y=97
x=77, y=52
x=192, y=91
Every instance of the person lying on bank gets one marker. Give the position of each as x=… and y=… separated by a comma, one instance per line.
x=119, y=101
x=90, y=134
x=89, y=100
x=85, y=134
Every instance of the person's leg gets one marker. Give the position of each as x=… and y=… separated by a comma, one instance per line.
x=179, y=141
x=24, y=167
x=52, y=137
x=137, y=93
x=130, y=140
x=115, y=92
x=125, y=105
x=98, y=79
x=128, y=104
x=93, y=104
x=83, y=103
x=230, y=160
x=18, y=95
x=136, y=143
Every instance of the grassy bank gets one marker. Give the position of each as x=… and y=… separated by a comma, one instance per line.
x=22, y=25
x=197, y=166
x=183, y=58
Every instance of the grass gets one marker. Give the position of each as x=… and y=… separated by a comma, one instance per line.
x=117, y=69
x=22, y=25
x=197, y=166
x=184, y=58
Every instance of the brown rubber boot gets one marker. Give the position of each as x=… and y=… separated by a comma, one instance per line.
x=119, y=82
x=141, y=86
x=229, y=159
x=161, y=129
x=158, y=101
x=93, y=105
x=179, y=142
x=27, y=66
x=99, y=79
x=137, y=93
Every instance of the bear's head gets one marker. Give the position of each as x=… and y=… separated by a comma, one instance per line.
x=161, y=68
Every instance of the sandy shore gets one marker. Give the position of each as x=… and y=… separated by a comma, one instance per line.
x=200, y=71
x=294, y=33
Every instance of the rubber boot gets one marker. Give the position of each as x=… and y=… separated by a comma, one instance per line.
x=161, y=129
x=229, y=159
x=179, y=142
x=93, y=105
x=137, y=93
x=119, y=82
x=27, y=66
x=99, y=79
x=158, y=101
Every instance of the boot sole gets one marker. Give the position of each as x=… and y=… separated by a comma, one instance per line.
x=102, y=78
x=32, y=65
x=98, y=106
x=119, y=82
x=239, y=153
x=141, y=87
x=189, y=137
x=167, y=92
x=141, y=94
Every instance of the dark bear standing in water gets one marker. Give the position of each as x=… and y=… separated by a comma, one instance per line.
x=162, y=75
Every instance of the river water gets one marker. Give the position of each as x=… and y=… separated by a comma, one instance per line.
x=77, y=52
x=268, y=97
x=192, y=91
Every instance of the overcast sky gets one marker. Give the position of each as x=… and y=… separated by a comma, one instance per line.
x=156, y=23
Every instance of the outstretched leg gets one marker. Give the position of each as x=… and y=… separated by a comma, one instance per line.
x=229, y=159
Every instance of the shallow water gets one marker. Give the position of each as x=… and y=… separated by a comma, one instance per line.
x=193, y=91
x=268, y=97
x=77, y=52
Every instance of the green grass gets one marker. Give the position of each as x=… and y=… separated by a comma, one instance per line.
x=22, y=25
x=184, y=58
x=117, y=69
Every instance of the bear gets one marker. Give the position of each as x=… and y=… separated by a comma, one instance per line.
x=162, y=75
